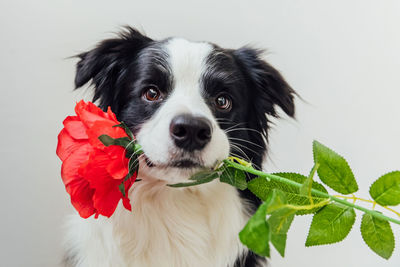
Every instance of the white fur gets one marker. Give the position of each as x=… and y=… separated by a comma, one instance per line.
x=169, y=227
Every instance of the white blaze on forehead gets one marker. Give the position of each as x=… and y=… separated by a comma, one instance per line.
x=187, y=61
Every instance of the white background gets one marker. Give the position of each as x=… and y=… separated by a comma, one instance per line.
x=342, y=57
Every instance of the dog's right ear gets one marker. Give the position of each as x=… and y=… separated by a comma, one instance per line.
x=105, y=65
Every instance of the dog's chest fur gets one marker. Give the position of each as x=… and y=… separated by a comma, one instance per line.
x=196, y=226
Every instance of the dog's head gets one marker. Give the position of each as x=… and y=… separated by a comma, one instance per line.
x=189, y=104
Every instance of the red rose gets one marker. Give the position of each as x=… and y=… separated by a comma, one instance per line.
x=95, y=176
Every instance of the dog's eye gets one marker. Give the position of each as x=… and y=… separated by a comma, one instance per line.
x=223, y=102
x=152, y=93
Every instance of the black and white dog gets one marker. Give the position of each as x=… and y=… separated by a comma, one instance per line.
x=190, y=105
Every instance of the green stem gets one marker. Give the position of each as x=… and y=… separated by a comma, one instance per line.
x=310, y=181
x=316, y=192
x=314, y=169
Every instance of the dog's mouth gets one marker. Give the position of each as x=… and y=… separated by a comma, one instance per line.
x=149, y=163
x=184, y=163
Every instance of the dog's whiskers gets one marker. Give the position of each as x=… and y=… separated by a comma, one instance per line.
x=246, y=141
x=245, y=147
x=233, y=127
x=243, y=129
x=232, y=145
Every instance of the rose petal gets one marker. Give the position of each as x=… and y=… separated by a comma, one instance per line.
x=71, y=165
x=75, y=127
x=89, y=106
x=82, y=197
x=118, y=168
x=78, y=188
x=127, y=204
x=110, y=162
x=104, y=127
x=107, y=115
x=116, y=152
x=95, y=167
x=106, y=195
x=111, y=115
x=89, y=113
x=66, y=144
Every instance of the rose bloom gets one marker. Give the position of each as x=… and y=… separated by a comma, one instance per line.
x=93, y=173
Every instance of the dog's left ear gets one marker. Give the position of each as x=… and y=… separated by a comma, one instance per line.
x=107, y=64
x=270, y=87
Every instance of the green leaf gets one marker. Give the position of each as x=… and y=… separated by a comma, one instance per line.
x=137, y=148
x=334, y=170
x=330, y=225
x=133, y=150
x=126, y=128
x=386, y=190
x=199, y=178
x=279, y=223
x=123, y=141
x=378, y=235
x=189, y=184
x=256, y=234
x=109, y=141
x=261, y=187
x=106, y=140
x=234, y=177
x=121, y=188
x=276, y=200
x=204, y=175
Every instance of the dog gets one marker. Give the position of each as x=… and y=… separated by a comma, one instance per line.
x=190, y=105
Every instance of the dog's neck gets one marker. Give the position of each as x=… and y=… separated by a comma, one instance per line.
x=202, y=223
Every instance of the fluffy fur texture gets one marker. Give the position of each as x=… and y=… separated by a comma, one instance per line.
x=196, y=226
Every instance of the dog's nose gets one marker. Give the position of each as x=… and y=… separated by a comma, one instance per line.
x=190, y=132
